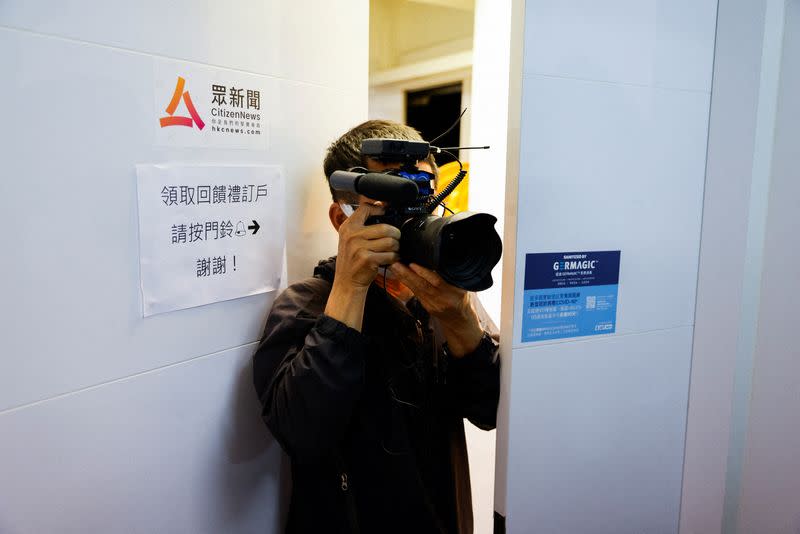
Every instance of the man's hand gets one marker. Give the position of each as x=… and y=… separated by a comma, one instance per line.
x=362, y=250
x=452, y=306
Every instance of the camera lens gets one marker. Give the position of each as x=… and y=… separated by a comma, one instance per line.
x=462, y=248
x=470, y=248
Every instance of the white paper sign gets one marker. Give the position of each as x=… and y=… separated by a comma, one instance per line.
x=200, y=106
x=208, y=233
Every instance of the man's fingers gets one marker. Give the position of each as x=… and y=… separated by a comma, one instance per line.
x=365, y=211
x=377, y=231
x=384, y=244
x=386, y=258
x=413, y=281
x=373, y=231
x=430, y=276
x=360, y=215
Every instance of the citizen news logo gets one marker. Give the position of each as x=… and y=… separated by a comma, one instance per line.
x=176, y=120
x=243, y=117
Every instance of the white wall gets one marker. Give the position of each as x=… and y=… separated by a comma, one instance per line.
x=112, y=423
x=740, y=135
x=770, y=480
x=407, y=32
x=489, y=122
x=610, y=155
x=488, y=126
x=741, y=470
x=418, y=45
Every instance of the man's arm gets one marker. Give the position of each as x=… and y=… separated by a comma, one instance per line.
x=473, y=383
x=308, y=373
x=450, y=305
x=362, y=250
x=473, y=368
x=309, y=368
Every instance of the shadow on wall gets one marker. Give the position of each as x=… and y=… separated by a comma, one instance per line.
x=314, y=237
x=254, y=480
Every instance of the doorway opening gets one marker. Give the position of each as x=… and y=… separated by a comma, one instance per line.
x=432, y=111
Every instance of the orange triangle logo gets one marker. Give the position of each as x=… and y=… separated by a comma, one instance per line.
x=171, y=119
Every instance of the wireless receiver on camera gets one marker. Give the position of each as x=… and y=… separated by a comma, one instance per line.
x=462, y=248
x=395, y=149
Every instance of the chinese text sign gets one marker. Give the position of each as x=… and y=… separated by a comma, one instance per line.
x=208, y=233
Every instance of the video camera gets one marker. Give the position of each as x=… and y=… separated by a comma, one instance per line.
x=462, y=248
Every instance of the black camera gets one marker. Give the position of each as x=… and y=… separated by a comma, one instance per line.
x=463, y=248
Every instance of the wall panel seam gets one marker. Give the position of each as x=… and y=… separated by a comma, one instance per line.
x=59, y=396
x=589, y=339
x=697, y=274
x=624, y=84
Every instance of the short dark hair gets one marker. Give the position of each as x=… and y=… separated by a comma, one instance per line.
x=345, y=152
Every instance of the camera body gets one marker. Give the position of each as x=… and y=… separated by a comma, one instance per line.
x=403, y=200
x=462, y=248
x=400, y=210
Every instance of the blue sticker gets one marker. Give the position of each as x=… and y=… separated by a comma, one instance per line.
x=570, y=294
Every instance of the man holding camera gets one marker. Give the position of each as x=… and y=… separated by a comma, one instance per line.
x=365, y=375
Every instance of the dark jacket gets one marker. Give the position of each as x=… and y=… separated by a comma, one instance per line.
x=372, y=420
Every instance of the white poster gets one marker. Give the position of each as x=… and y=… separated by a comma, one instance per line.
x=200, y=106
x=208, y=233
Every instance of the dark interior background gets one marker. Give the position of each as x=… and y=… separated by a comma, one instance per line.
x=434, y=110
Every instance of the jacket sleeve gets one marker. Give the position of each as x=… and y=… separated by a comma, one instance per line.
x=308, y=372
x=473, y=381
